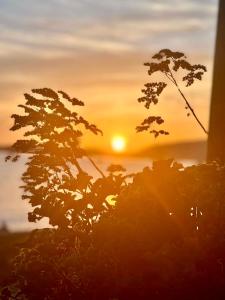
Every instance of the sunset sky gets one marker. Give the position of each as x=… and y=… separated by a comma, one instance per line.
x=95, y=50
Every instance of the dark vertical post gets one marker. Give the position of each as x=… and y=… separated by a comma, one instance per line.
x=216, y=140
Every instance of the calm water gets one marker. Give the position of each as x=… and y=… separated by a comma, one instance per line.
x=13, y=210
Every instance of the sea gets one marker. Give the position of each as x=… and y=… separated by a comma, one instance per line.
x=14, y=210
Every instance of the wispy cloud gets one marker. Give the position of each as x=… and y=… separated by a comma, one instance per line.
x=88, y=46
x=40, y=26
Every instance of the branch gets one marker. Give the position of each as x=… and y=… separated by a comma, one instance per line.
x=187, y=103
x=96, y=167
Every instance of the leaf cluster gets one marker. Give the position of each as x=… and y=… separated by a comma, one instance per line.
x=147, y=124
x=54, y=183
x=168, y=63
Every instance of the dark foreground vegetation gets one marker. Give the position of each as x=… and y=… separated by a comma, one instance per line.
x=157, y=234
x=163, y=239
x=10, y=243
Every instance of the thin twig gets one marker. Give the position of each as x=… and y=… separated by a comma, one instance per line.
x=187, y=103
x=96, y=167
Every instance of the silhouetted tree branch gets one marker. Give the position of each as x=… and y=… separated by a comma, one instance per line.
x=167, y=62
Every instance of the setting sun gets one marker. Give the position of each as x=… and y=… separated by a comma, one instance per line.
x=118, y=143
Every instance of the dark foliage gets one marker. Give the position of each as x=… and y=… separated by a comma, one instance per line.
x=168, y=63
x=9, y=244
x=163, y=239
x=147, y=124
x=55, y=183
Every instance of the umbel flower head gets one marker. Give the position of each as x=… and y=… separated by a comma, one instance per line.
x=168, y=63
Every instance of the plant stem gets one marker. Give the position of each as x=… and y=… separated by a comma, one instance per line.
x=187, y=103
x=96, y=167
x=191, y=109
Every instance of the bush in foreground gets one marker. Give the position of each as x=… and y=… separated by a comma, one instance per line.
x=163, y=239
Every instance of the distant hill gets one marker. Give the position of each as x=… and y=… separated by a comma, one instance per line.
x=185, y=150
x=4, y=148
x=194, y=150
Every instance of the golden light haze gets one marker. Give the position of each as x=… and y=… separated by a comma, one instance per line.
x=95, y=50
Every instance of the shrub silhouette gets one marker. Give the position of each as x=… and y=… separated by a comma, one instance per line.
x=54, y=182
x=163, y=239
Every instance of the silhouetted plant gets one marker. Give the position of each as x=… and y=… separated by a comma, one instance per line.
x=168, y=63
x=55, y=183
x=164, y=239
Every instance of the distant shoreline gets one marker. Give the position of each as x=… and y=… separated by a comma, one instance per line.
x=182, y=150
x=193, y=150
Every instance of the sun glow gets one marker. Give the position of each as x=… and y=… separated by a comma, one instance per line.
x=118, y=143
